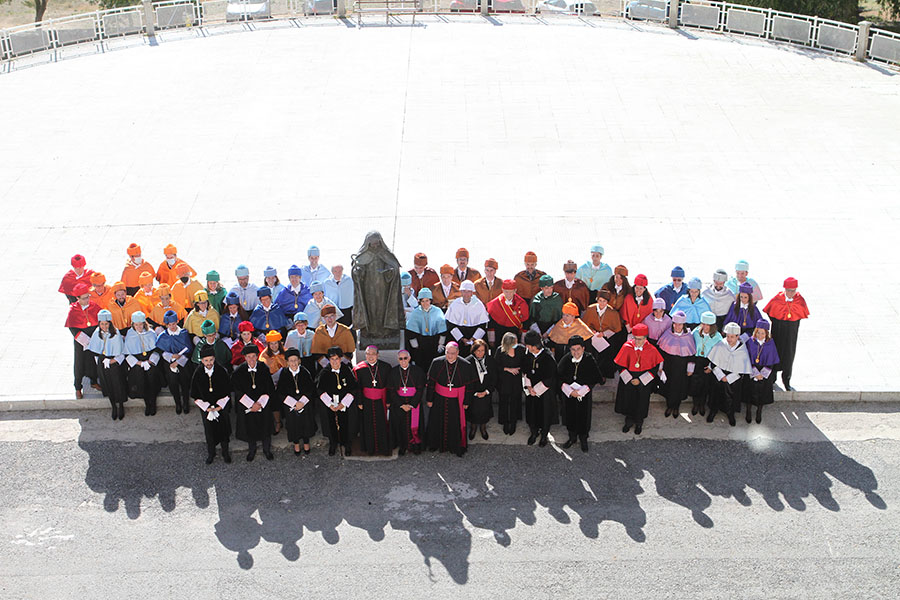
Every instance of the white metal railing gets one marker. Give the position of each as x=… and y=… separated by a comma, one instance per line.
x=862, y=42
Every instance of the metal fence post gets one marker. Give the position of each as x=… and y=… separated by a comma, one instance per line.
x=862, y=41
x=673, y=14
x=149, y=22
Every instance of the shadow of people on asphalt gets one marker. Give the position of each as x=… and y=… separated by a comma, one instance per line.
x=443, y=502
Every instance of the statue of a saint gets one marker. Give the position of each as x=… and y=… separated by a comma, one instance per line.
x=377, y=306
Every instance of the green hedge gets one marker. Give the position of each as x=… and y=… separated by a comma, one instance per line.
x=837, y=10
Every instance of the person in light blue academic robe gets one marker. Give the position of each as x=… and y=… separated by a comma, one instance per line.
x=246, y=291
x=673, y=291
x=740, y=276
x=313, y=308
x=314, y=271
x=108, y=348
x=301, y=337
x=271, y=281
x=692, y=304
x=142, y=358
x=339, y=288
x=594, y=273
x=268, y=315
x=426, y=330
x=294, y=297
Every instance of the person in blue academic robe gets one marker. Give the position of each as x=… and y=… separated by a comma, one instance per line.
x=744, y=311
x=294, y=297
x=176, y=365
x=142, y=358
x=300, y=338
x=426, y=331
x=232, y=316
x=314, y=271
x=268, y=315
x=673, y=291
x=313, y=308
x=692, y=304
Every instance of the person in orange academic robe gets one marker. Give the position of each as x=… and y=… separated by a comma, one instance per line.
x=166, y=271
x=573, y=289
x=786, y=310
x=185, y=287
x=422, y=275
x=618, y=287
x=101, y=294
x=146, y=295
x=446, y=290
x=135, y=266
x=462, y=272
x=165, y=303
x=122, y=306
x=528, y=280
x=490, y=286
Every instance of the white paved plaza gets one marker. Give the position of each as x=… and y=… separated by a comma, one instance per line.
x=501, y=135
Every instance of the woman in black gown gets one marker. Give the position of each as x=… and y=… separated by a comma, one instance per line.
x=296, y=390
x=510, y=357
x=481, y=406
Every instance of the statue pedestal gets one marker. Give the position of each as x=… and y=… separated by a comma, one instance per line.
x=387, y=346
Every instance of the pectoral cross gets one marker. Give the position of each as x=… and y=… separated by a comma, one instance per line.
x=450, y=387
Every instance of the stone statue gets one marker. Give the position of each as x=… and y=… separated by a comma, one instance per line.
x=377, y=306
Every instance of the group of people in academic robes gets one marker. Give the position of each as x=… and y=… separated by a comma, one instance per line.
x=529, y=348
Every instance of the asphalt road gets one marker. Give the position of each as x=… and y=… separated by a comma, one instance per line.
x=92, y=509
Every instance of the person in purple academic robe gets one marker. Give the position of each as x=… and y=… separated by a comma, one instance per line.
x=677, y=346
x=744, y=311
x=763, y=363
x=657, y=321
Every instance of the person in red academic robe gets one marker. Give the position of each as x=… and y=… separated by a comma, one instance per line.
x=82, y=320
x=372, y=375
x=508, y=312
x=77, y=274
x=639, y=361
x=637, y=305
x=786, y=310
x=245, y=328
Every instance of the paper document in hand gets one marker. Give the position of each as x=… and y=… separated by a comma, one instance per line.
x=719, y=373
x=646, y=378
x=456, y=333
x=690, y=368
x=663, y=377
x=413, y=343
x=609, y=333
x=567, y=389
x=83, y=339
x=131, y=361
x=599, y=343
x=525, y=381
x=539, y=388
x=263, y=400
x=201, y=404
x=625, y=376
x=154, y=359
x=182, y=361
x=167, y=356
x=246, y=401
x=290, y=402
x=732, y=377
x=766, y=371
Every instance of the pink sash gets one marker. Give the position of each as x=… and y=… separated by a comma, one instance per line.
x=460, y=394
x=377, y=394
x=413, y=414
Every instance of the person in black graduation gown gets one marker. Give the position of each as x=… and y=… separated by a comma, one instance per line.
x=448, y=395
x=372, y=376
x=578, y=367
x=211, y=391
x=540, y=395
x=406, y=387
x=481, y=407
x=255, y=423
x=510, y=358
x=336, y=386
x=297, y=392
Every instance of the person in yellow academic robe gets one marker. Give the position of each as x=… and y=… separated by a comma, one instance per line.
x=201, y=312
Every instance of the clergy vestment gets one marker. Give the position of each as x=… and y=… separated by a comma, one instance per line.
x=373, y=400
x=406, y=387
x=448, y=394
